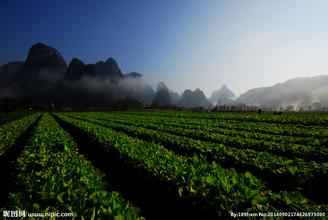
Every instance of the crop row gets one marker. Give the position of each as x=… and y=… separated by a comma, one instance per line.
x=53, y=177
x=206, y=185
x=306, y=120
x=308, y=177
x=227, y=128
x=9, y=117
x=238, y=141
x=11, y=131
x=266, y=128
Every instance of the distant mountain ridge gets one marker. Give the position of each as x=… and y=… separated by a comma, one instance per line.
x=223, y=96
x=40, y=56
x=193, y=99
x=44, y=77
x=162, y=96
x=9, y=70
x=109, y=68
x=297, y=92
x=165, y=97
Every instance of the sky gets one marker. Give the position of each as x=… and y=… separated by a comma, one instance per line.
x=187, y=44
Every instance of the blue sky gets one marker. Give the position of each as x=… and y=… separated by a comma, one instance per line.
x=187, y=44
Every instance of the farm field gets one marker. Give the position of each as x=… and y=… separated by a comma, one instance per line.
x=164, y=164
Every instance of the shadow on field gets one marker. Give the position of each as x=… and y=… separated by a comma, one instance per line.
x=151, y=196
x=7, y=163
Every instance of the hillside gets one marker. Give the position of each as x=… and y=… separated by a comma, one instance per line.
x=297, y=92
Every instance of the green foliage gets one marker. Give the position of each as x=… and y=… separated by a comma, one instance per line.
x=194, y=179
x=297, y=172
x=199, y=159
x=12, y=116
x=52, y=176
x=11, y=131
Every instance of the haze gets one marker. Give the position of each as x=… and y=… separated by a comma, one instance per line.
x=186, y=44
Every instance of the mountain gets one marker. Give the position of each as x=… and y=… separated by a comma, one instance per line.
x=162, y=96
x=11, y=68
x=297, y=92
x=7, y=73
x=41, y=56
x=133, y=75
x=161, y=86
x=98, y=89
x=109, y=69
x=134, y=86
x=75, y=69
x=191, y=99
x=223, y=96
x=174, y=96
x=8, y=70
x=42, y=70
x=44, y=78
x=43, y=65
